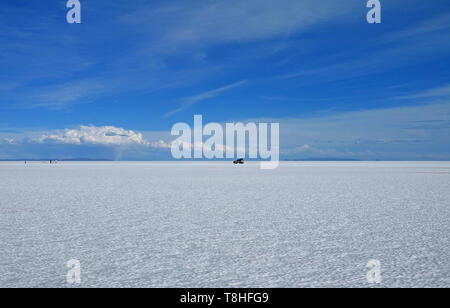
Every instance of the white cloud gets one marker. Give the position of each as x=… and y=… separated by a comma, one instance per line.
x=85, y=142
x=301, y=149
x=105, y=135
x=90, y=135
x=8, y=141
x=161, y=144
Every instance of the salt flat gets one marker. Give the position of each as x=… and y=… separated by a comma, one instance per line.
x=217, y=225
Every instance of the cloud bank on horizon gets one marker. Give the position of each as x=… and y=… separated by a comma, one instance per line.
x=402, y=133
x=113, y=86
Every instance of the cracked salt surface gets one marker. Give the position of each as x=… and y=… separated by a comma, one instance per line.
x=217, y=225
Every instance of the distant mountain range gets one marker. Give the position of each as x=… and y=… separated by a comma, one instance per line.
x=93, y=160
x=322, y=159
x=53, y=159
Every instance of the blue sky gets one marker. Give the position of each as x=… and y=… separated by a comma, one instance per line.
x=338, y=86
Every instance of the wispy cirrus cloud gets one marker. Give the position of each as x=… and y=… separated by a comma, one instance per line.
x=184, y=23
x=413, y=43
x=435, y=93
x=192, y=100
x=440, y=23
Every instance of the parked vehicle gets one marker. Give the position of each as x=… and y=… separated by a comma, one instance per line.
x=239, y=161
